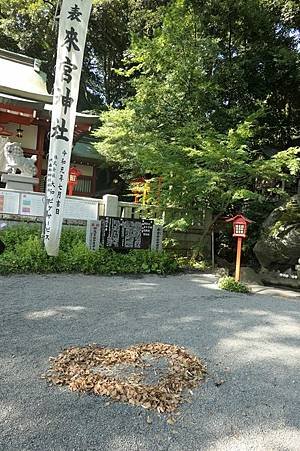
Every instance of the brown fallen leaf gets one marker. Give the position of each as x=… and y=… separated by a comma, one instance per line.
x=123, y=374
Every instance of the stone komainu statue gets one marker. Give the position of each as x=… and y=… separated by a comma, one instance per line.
x=15, y=159
x=3, y=141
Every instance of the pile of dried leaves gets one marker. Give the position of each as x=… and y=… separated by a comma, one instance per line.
x=154, y=376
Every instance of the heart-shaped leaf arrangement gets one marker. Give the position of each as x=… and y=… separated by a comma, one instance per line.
x=154, y=376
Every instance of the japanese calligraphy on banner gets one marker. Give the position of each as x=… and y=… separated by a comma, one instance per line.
x=73, y=22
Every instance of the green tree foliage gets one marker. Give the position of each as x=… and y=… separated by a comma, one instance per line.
x=215, y=87
x=200, y=167
x=214, y=90
x=30, y=27
x=258, y=61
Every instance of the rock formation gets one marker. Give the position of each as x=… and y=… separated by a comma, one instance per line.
x=278, y=247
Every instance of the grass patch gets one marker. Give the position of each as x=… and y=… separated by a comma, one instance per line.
x=25, y=253
x=228, y=283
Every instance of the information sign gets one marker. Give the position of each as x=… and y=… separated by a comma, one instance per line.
x=123, y=233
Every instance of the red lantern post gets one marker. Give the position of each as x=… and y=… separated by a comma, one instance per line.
x=74, y=173
x=240, y=224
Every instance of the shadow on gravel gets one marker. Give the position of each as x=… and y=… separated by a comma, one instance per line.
x=250, y=345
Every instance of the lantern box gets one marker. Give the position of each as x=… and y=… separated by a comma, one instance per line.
x=240, y=224
x=74, y=173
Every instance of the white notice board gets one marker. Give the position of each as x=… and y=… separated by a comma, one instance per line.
x=93, y=229
x=83, y=209
x=32, y=205
x=9, y=202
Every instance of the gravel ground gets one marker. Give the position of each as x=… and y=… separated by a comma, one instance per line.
x=249, y=342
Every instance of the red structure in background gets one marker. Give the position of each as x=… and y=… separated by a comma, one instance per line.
x=25, y=117
x=240, y=225
x=74, y=173
x=4, y=131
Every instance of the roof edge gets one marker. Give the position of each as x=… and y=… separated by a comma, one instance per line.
x=45, y=98
x=17, y=57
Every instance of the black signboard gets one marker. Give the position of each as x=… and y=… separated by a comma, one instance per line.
x=125, y=233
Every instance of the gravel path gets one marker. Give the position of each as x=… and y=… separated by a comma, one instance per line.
x=249, y=342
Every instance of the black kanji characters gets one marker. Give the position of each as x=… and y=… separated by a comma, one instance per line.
x=60, y=130
x=71, y=39
x=75, y=13
x=68, y=68
x=67, y=100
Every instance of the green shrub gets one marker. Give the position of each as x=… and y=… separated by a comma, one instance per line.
x=192, y=264
x=228, y=283
x=25, y=253
x=70, y=237
x=12, y=236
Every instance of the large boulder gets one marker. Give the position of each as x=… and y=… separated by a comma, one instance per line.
x=278, y=247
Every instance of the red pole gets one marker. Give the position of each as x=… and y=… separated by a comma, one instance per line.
x=238, y=259
x=70, y=188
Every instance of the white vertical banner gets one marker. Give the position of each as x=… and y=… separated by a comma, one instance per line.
x=73, y=22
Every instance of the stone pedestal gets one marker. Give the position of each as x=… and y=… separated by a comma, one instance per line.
x=19, y=182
